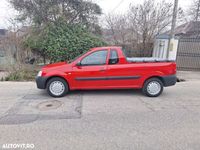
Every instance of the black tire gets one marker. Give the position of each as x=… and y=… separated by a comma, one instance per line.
x=65, y=84
x=148, y=82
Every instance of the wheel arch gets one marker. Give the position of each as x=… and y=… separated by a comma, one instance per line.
x=56, y=76
x=158, y=77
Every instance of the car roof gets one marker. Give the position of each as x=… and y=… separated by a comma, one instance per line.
x=106, y=47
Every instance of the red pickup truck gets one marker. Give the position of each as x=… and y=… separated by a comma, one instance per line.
x=107, y=68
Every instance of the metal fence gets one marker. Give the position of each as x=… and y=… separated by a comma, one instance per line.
x=188, y=55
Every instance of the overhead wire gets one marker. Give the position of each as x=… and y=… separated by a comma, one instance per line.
x=118, y=5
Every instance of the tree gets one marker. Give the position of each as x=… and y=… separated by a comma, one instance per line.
x=117, y=25
x=194, y=10
x=138, y=27
x=61, y=29
x=149, y=19
x=43, y=12
x=61, y=42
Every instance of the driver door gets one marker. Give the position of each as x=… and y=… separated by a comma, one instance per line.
x=91, y=73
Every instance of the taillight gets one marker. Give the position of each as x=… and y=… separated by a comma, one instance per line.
x=174, y=68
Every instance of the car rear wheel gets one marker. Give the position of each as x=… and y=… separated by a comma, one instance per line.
x=57, y=87
x=153, y=87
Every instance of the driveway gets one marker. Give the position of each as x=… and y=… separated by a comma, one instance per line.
x=101, y=120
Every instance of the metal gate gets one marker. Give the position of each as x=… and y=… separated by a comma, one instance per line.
x=188, y=55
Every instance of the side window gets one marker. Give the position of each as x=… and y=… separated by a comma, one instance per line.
x=96, y=58
x=114, y=59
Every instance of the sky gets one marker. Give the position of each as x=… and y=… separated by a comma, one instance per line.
x=122, y=5
x=108, y=6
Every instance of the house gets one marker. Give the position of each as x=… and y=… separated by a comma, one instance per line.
x=187, y=30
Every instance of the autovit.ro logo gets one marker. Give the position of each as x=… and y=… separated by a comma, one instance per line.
x=18, y=146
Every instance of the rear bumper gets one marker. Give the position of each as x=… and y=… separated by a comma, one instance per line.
x=41, y=82
x=169, y=80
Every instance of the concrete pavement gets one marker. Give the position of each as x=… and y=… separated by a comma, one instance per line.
x=101, y=120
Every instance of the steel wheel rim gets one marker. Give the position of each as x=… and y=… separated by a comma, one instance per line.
x=57, y=88
x=154, y=88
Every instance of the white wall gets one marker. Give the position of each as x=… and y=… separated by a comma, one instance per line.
x=161, y=48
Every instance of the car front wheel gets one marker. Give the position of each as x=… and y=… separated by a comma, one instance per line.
x=153, y=87
x=57, y=87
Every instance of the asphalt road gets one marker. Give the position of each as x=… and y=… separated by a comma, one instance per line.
x=101, y=120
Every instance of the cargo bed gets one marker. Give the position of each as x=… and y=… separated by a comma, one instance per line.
x=147, y=59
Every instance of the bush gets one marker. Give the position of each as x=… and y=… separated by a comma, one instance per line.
x=61, y=41
x=25, y=73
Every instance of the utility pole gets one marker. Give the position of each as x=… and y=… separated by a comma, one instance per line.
x=174, y=19
x=172, y=33
x=198, y=9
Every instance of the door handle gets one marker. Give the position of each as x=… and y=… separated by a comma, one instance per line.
x=102, y=69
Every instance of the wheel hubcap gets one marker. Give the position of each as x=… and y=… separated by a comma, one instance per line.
x=154, y=88
x=57, y=88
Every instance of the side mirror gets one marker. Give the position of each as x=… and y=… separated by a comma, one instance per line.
x=79, y=63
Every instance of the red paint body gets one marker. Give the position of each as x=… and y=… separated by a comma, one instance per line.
x=103, y=76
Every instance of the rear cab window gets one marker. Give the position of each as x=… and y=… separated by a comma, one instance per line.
x=114, y=58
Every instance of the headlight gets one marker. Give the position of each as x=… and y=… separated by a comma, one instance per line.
x=39, y=74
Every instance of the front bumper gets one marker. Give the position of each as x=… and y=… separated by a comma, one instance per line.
x=169, y=80
x=41, y=82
